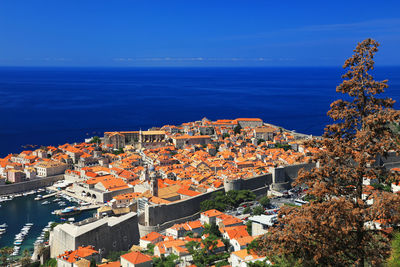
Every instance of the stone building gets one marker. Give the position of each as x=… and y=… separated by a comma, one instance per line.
x=250, y=122
x=50, y=168
x=73, y=257
x=139, y=139
x=103, y=189
x=136, y=259
x=105, y=234
x=183, y=140
x=265, y=133
x=15, y=176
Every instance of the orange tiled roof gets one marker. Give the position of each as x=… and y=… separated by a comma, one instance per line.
x=135, y=257
x=110, y=264
x=80, y=252
x=151, y=236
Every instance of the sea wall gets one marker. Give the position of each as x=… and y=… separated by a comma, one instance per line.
x=8, y=189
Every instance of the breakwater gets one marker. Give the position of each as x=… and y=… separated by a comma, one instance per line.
x=8, y=189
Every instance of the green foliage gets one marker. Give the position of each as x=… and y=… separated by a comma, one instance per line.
x=222, y=201
x=169, y=261
x=278, y=261
x=93, y=263
x=212, y=204
x=225, y=135
x=258, y=264
x=95, y=140
x=394, y=260
x=253, y=246
x=381, y=186
x=265, y=201
x=189, y=234
x=46, y=235
x=150, y=249
x=222, y=263
x=35, y=264
x=237, y=129
x=26, y=258
x=249, y=227
x=259, y=141
x=54, y=224
x=291, y=205
x=119, y=151
x=288, y=261
x=114, y=255
x=203, y=253
x=247, y=210
x=216, y=145
x=51, y=263
x=286, y=147
x=212, y=229
x=5, y=252
x=258, y=210
x=8, y=182
x=309, y=197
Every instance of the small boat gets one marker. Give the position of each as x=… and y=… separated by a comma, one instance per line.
x=29, y=224
x=45, y=202
x=4, y=225
x=69, y=211
x=17, y=242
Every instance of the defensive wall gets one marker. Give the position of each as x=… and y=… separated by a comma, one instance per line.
x=159, y=214
x=392, y=160
x=8, y=189
x=283, y=177
x=161, y=217
x=106, y=234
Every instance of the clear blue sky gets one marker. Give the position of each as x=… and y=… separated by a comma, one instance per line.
x=194, y=33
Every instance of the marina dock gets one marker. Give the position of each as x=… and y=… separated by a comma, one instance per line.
x=50, y=195
x=79, y=209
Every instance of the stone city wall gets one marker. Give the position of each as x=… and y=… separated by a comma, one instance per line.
x=8, y=189
x=160, y=217
x=160, y=214
x=283, y=177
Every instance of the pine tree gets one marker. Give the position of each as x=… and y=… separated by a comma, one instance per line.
x=339, y=227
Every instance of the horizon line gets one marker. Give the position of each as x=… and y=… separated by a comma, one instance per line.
x=187, y=66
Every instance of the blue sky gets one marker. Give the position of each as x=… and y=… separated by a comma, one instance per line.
x=194, y=33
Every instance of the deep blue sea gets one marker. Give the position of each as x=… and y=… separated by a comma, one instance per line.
x=50, y=106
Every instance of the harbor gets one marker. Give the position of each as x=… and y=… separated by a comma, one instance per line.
x=24, y=221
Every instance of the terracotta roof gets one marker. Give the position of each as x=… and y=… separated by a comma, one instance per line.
x=110, y=264
x=249, y=119
x=136, y=257
x=212, y=213
x=151, y=236
x=80, y=252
